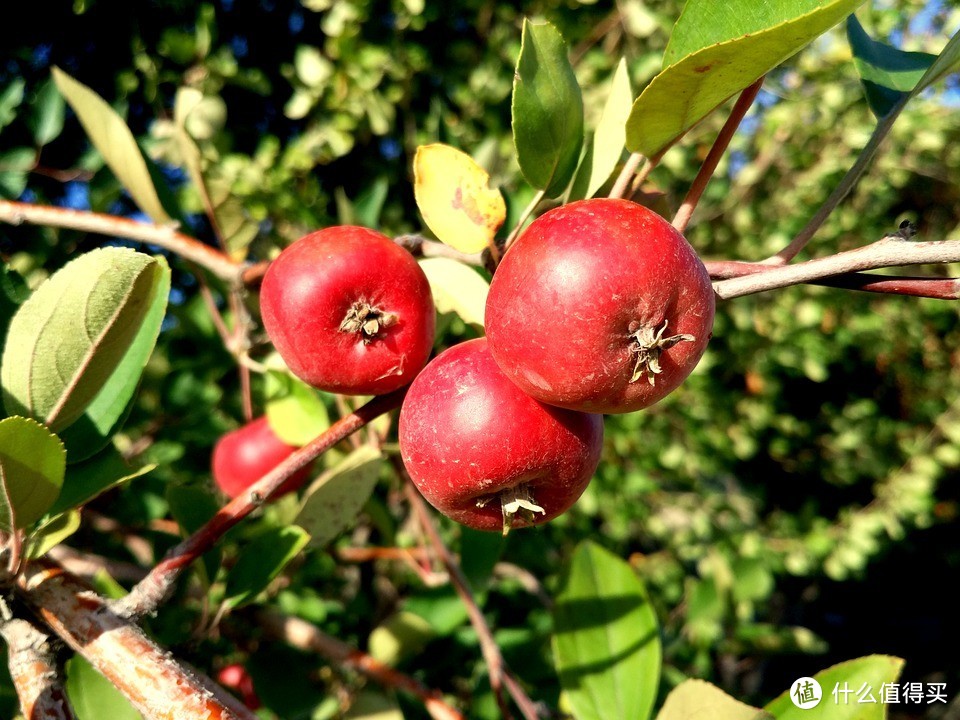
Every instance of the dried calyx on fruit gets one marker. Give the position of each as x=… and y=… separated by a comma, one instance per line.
x=626, y=296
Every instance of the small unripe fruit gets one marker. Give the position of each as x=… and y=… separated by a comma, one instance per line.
x=487, y=455
x=243, y=456
x=600, y=306
x=349, y=311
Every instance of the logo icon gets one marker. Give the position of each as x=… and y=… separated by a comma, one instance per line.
x=805, y=693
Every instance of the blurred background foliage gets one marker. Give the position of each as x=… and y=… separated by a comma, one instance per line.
x=793, y=504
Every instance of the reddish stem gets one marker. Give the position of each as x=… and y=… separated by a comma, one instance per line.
x=749, y=94
x=150, y=592
x=309, y=638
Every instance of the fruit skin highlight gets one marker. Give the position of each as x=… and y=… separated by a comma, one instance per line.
x=600, y=306
x=349, y=311
x=474, y=443
x=243, y=456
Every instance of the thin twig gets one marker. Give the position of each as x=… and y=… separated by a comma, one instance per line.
x=626, y=175
x=927, y=287
x=524, y=216
x=150, y=592
x=155, y=684
x=34, y=671
x=16, y=213
x=309, y=638
x=643, y=174
x=888, y=252
x=847, y=184
x=709, y=166
x=496, y=667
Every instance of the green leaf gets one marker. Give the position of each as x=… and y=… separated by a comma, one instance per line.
x=32, y=465
x=92, y=696
x=335, y=499
x=373, y=705
x=947, y=63
x=441, y=607
x=15, y=165
x=66, y=340
x=611, y=134
x=52, y=532
x=107, y=412
x=85, y=481
x=547, y=110
x=606, y=642
x=10, y=100
x=399, y=637
x=366, y=209
x=261, y=560
x=887, y=73
x=874, y=670
x=46, y=114
x=693, y=699
x=111, y=136
x=295, y=413
x=717, y=50
x=457, y=288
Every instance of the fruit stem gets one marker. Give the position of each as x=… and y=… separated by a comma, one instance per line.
x=647, y=346
x=366, y=320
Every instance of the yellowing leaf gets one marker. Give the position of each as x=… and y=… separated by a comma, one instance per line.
x=455, y=199
x=457, y=288
x=111, y=136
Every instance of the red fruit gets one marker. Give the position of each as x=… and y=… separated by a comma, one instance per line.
x=237, y=678
x=487, y=455
x=600, y=306
x=243, y=456
x=349, y=311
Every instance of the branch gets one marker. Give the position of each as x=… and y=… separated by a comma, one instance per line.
x=627, y=174
x=927, y=287
x=34, y=671
x=156, y=685
x=150, y=592
x=190, y=248
x=309, y=638
x=842, y=190
x=499, y=675
x=887, y=252
x=709, y=166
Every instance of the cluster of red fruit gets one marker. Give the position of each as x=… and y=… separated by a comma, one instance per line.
x=599, y=307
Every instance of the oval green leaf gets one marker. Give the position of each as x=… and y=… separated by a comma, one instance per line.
x=606, y=641
x=295, y=413
x=335, y=499
x=699, y=700
x=92, y=696
x=32, y=465
x=261, y=560
x=720, y=49
x=457, y=288
x=46, y=114
x=606, y=145
x=52, y=532
x=111, y=136
x=67, y=339
x=888, y=74
x=547, y=110
x=872, y=671
x=106, y=413
x=399, y=637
